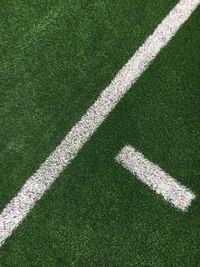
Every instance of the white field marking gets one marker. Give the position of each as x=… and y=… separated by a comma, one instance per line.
x=152, y=175
x=42, y=179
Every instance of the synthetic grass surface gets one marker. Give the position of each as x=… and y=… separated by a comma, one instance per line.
x=54, y=73
x=97, y=213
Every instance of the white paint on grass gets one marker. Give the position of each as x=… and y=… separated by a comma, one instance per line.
x=152, y=175
x=40, y=182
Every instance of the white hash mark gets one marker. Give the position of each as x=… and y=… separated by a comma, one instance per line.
x=152, y=175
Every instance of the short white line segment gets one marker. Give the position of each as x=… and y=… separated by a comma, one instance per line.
x=152, y=175
x=39, y=183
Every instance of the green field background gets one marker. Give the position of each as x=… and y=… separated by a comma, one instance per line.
x=56, y=58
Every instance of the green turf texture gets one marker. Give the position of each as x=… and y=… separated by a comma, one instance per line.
x=56, y=59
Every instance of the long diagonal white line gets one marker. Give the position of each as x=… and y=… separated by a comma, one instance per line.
x=152, y=175
x=42, y=179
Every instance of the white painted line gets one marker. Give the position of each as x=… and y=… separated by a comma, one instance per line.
x=47, y=173
x=152, y=175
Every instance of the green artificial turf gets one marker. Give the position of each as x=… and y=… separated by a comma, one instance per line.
x=51, y=76
x=57, y=58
